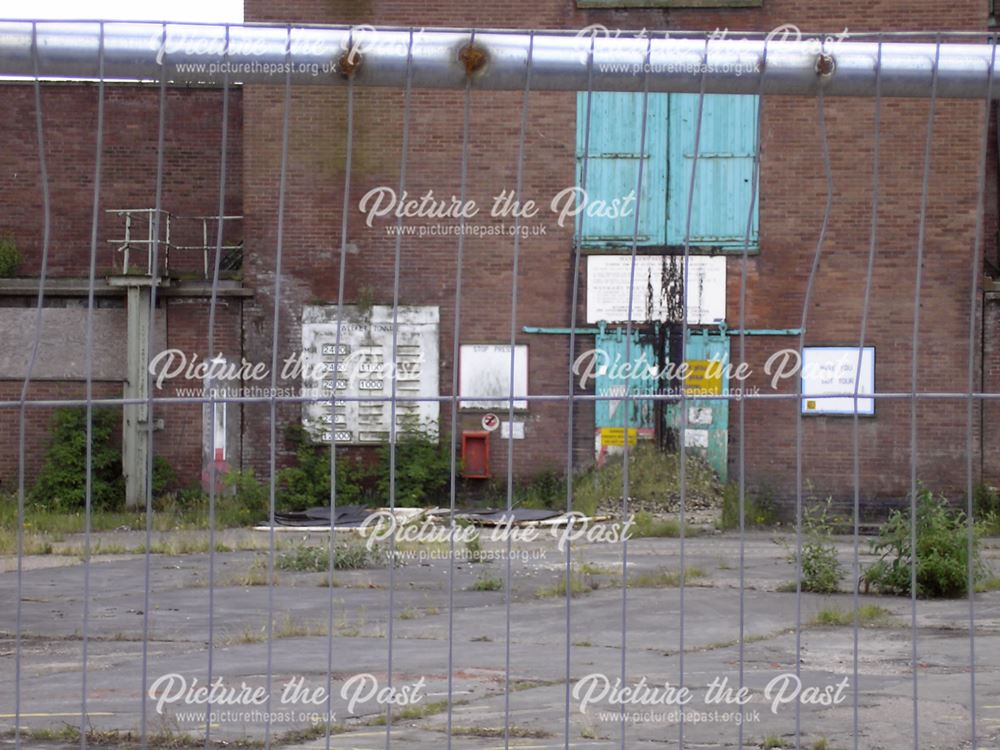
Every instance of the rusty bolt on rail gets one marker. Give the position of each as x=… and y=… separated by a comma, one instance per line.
x=473, y=57
x=825, y=65
x=349, y=63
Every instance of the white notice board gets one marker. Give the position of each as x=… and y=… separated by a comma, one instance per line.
x=833, y=369
x=608, y=279
x=484, y=376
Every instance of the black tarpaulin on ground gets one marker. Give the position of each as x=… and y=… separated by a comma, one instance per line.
x=521, y=515
x=347, y=516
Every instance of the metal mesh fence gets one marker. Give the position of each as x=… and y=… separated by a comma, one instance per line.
x=538, y=659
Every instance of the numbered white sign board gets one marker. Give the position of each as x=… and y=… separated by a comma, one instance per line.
x=341, y=373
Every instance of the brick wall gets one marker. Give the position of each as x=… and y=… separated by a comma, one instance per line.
x=190, y=187
x=792, y=200
x=180, y=442
x=793, y=194
x=312, y=234
x=563, y=14
x=37, y=425
x=191, y=166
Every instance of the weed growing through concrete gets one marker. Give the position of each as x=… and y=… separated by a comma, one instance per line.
x=306, y=558
x=869, y=616
x=487, y=582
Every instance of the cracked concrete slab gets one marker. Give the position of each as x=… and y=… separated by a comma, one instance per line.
x=174, y=640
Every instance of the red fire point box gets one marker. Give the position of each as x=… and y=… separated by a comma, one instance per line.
x=475, y=454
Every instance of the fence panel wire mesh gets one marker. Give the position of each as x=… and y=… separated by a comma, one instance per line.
x=73, y=683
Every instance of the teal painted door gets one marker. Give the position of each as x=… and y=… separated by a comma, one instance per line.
x=722, y=193
x=611, y=415
x=613, y=168
x=707, y=426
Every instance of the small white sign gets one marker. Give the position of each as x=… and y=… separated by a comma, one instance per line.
x=696, y=438
x=699, y=415
x=834, y=369
x=347, y=359
x=490, y=422
x=518, y=430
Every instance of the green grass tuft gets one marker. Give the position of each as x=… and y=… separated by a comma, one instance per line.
x=869, y=616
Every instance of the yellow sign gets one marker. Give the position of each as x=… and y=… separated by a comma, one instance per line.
x=615, y=436
x=704, y=377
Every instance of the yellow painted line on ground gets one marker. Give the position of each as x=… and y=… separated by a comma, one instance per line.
x=53, y=715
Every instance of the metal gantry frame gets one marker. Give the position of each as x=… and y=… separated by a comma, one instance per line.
x=132, y=241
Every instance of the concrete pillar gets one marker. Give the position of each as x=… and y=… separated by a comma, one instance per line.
x=136, y=425
x=135, y=429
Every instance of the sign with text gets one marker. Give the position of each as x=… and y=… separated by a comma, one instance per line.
x=834, y=370
x=656, y=287
x=615, y=436
x=352, y=374
x=704, y=377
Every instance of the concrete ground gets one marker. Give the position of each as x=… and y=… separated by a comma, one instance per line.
x=417, y=641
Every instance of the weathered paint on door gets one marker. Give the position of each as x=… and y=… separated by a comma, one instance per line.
x=723, y=184
x=613, y=167
x=723, y=187
x=610, y=416
x=707, y=427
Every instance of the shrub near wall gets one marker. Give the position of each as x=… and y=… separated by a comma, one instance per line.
x=62, y=482
x=10, y=257
x=423, y=472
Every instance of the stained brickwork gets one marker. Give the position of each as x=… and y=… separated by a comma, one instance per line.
x=792, y=201
x=793, y=197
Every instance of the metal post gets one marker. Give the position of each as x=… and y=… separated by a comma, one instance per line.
x=166, y=249
x=135, y=413
x=128, y=240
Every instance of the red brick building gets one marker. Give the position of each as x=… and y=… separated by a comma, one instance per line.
x=128, y=181
x=792, y=199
